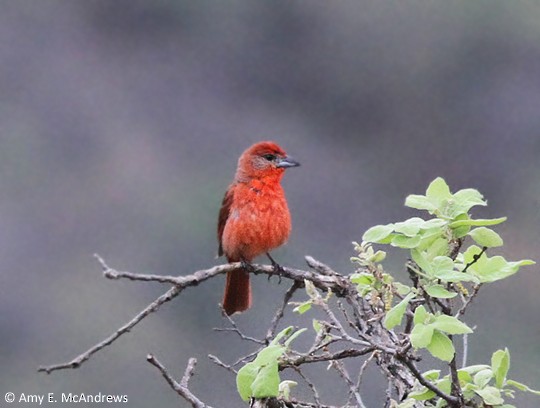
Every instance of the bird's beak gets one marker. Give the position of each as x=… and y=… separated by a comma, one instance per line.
x=287, y=162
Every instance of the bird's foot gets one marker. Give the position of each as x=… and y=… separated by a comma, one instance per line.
x=246, y=266
x=278, y=269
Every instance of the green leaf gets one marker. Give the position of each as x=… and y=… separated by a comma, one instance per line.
x=441, y=346
x=450, y=325
x=421, y=335
x=266, y=383
x=467, y=198
x=245, y=377
x=482, y=378
x=518, y=385
x=409, y=227
x=439, y=247
x=524, y=262
x=493, y=269
x=260, y=378
x=285, y=388
x=477, y=223
x=454, y=276
x=283, y=333
x=432, y=375
x=486, y=237
x=311, y=290
x=470, y=254
x=460, y=231
x=490, y=395
x=317, y=326
x=521, y=387
x=442, y=265
x=420, y=315
x=474, y=368
x=423, y=394
x=420, y=202
x=439, y=291
x=293, y=337
x=434, y=223
x=421, y=261
x=403, y=241
x=378, y=233
x=378, y=257
x=443, y=268
x=303, y=307
x=269, y=354
x=464, y=377
x=500, y=363
x=438, y=190
x=363, y=278
x=395, y=315
x=401, y=288
x=408, y=403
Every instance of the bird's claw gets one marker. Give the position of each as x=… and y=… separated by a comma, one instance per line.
x=278, y=269
x=246, y=266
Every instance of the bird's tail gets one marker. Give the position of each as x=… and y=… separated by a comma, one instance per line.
x=237, y=297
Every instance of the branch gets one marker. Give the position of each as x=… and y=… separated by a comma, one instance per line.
x=467, y=302
x=280, y=311
x=152, y=307
x=418, y=375
x=353, y=389
x=342, y=354
x=182, y=387
x=235, y=329
x=335, y=283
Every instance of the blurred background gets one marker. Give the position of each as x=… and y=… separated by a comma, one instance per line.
x=120, y=126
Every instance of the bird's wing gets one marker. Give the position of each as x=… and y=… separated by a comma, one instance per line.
x=224, y=215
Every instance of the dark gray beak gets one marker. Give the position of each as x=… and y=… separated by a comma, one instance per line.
x=287, y=162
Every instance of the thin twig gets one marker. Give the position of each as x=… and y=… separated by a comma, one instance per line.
x=348, y=319
x=320, y=267
x=303, y=404
x=339, y=355
x=475, y=259
x=152, y=307
x=311, y=386
x=455, y=386
x=466, y=304
x=418, y=375
x=389, y=392
x=363, y=369
x=220, y=363
x=353, y=390
x=236, y=330
x=181, y=388
x=346, y=336
x=280, y=311
x=335, y=283
x=465, y=348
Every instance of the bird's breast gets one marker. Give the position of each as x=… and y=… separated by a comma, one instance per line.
x=259, y=221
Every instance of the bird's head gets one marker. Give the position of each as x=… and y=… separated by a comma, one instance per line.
x=264, y=160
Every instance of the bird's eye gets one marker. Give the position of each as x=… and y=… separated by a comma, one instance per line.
x=270, y=157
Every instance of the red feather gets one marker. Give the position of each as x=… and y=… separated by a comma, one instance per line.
x=254, y=217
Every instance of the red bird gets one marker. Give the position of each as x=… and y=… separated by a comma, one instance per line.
x=254, y=217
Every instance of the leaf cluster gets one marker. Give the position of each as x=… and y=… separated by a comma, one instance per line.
x=449, y=262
